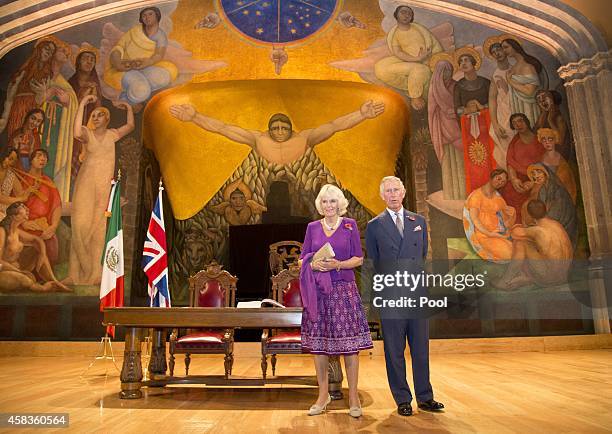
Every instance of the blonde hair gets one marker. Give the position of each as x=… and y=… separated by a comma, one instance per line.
x=102, y=109
x=333, y=192
x=548, y=131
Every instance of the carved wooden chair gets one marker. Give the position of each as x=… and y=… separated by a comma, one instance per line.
x=285, y=290
x=283, y=254
x=211, y=287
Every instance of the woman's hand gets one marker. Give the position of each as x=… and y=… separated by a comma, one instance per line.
x=317, y=266
x=332, y=264
x=326, y=265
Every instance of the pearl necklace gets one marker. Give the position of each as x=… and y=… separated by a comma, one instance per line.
x=332, y=227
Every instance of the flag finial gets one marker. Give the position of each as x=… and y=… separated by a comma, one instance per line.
x=160, y=183
x=119, y=175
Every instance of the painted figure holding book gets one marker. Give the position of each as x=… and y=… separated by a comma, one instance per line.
x=333, y=321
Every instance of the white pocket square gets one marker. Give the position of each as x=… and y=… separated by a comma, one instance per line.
x=418, y=228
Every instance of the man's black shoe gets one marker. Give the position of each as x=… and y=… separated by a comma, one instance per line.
x=404, y=409
x=431, y=405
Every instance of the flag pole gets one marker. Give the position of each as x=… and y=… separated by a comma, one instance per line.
x=106, y=350
x=154, y=261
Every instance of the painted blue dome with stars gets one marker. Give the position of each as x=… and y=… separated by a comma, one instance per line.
x=279, y=21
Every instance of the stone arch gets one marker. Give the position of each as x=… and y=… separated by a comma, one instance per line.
x=563, y=31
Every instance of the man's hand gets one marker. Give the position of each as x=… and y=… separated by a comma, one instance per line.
x=372, y=109
x=210, y=21
x=348, y=20
x=470, y=107
x=279, y=57
x=183, y=112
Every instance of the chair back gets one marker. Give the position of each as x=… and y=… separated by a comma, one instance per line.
x=286, y=287
x=283, y=254
x=212, y=287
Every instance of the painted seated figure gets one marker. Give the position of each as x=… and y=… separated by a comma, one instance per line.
x=136, y=65
x=487, y=219
x=411, y=45
x=24, y=265
x=541, y=253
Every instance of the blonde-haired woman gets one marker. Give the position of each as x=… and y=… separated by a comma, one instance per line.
x=333, y=322
x=91, y=190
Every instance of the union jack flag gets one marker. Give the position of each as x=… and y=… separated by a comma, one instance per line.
x=154, y=256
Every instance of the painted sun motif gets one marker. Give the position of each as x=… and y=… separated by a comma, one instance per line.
x=478, y=153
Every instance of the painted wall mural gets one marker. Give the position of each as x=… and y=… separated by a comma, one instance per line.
x=247, y=108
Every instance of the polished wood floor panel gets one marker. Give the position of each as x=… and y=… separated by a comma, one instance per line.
x=522, y=392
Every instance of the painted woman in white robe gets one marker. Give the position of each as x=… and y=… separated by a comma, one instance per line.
x=499, y=99
x=524, y=78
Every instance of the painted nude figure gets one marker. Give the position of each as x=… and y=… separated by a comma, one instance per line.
x=91, y=190
x=280, y=144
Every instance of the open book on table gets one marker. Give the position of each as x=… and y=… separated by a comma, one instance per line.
x=266, y=302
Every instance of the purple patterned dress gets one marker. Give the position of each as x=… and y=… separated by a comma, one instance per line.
x=340, y=326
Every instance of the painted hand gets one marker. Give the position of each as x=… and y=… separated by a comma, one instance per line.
x=183, y=112
x=371, y=109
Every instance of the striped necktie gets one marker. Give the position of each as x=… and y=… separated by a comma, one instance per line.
x=399, y=223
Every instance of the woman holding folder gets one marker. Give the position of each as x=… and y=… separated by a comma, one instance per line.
x=333, y=321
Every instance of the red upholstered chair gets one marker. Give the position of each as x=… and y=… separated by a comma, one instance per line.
x=285, y=290
x=211, y=287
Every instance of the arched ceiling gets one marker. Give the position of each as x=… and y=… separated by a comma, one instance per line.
x=552, y=24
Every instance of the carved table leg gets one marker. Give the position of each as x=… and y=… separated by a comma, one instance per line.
x=131, y=373
x=335, y=378
x=157, y=365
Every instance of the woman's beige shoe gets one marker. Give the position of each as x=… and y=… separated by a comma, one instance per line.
x=355, y=411
x=318, y=409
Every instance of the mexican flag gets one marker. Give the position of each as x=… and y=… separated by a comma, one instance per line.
x=111, y=287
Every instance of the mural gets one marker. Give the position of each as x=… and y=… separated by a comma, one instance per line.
x=473, y=119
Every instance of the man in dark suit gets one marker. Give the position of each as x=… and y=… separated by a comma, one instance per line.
x=396, y=240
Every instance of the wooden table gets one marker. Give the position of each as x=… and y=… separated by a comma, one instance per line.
x=135, y=319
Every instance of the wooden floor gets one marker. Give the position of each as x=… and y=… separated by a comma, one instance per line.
x=539, y=392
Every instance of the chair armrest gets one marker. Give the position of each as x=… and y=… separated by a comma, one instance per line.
x=174, y=335
x=264, y=335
